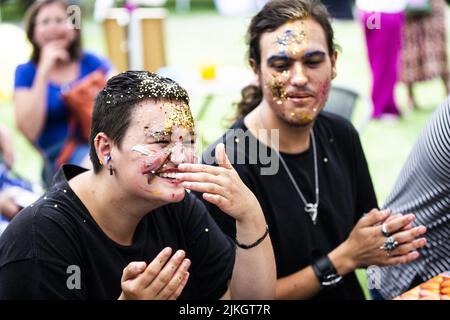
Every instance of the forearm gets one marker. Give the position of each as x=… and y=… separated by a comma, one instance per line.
x=31, y=104
x=254, y=274
x=304, y=284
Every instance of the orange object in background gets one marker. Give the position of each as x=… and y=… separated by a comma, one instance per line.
x=437, y=288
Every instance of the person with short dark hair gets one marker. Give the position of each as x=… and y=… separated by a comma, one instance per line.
x=314, y=185
x=127, y=229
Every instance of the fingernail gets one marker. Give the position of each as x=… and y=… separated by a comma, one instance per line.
x=411, y=217
x=179, y=254
x=421, y=229
x=414, y=254
x=167, y=251
x=186, y=262
x=186, y=184
x=139, y=266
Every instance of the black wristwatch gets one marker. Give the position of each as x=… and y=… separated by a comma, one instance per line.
x=325, y=272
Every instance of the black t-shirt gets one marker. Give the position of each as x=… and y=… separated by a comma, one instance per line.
x=345, y=187
x=43, y=241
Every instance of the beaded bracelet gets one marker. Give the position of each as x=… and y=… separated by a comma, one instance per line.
x=254, y=244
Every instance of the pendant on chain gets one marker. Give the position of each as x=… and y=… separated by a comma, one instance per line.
x=311, y=208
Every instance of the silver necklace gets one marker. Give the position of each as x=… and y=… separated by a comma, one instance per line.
x=310, y=208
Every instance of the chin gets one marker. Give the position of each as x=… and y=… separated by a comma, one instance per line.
x=302, y=120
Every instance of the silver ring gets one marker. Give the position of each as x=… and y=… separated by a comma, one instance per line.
x=384, y=230
x=389, y=245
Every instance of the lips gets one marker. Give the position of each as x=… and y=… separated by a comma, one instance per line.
x=295, y=95
x=169, y=173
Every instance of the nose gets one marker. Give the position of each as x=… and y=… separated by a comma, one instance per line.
x=177, y=153
x=298, y=77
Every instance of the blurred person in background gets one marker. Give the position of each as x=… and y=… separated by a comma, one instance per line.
x=383, y=22
x=424, y=46
x=423, y=188
x=8, y=208
x=57, y=62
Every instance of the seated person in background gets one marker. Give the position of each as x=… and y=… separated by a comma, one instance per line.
x=8, y=208
x=127, y=229
x=57, y=61
x=313, y=182
x=423, y=188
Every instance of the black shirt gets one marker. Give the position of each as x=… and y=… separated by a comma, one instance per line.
x=345, y=186
x=45, y=239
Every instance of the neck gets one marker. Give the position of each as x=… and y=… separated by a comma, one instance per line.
x=293, y=139
x=117, y=213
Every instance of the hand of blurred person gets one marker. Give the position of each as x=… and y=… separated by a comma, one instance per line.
x=8, y=208
x=363, y=246
x=52, y=53
x=6, y=147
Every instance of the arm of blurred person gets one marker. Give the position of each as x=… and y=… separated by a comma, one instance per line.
x=30, y=103
x=8, y=208
x=6, y=147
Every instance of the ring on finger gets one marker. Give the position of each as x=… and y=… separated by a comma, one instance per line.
x=389, y=245
x=384, y=231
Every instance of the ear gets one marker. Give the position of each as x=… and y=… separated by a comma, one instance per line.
x=103, y=146
x=254, y=66
x=334, y=57
x=256, y=71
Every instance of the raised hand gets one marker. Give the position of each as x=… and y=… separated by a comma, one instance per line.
x=220, y=185
x=162, y=279
x=52, y=53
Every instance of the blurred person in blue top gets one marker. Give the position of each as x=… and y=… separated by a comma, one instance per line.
x=57, y=61
x=8, y=208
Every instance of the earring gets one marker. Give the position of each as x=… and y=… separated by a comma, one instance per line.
x=107, y=160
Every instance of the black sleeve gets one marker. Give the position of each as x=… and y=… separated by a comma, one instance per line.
x=211, y=251
x=365, y=198
x=38, y=258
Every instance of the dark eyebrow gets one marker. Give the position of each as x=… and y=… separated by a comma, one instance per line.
x=313, y=54
x=278, y=57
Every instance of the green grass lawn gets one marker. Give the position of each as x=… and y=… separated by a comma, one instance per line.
x=196, y=37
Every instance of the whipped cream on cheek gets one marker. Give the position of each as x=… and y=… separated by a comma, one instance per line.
x=152, y=162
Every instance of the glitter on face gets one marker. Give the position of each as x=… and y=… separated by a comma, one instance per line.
x=292, y=40
x=277, y=86
x=179, y=115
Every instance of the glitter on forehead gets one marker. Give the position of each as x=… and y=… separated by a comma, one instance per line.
x=292, y=39
x=179, y=115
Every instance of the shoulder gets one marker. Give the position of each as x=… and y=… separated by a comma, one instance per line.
x=335, y=128
x=336, y=123
x=26, y=67
x=235, y=133
x=92, y=61
x=38, y=229
x=24, y=73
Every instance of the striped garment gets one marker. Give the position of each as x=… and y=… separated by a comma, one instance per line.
x=423, y=188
